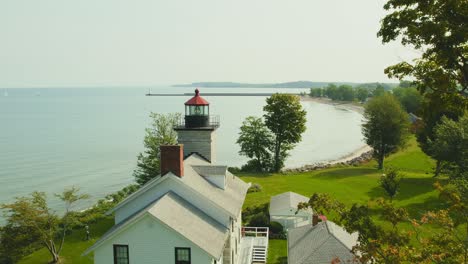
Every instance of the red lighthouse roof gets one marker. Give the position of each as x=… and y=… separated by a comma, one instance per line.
x=197, y=99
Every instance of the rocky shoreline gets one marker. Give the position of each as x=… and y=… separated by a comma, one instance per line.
x=364, y=157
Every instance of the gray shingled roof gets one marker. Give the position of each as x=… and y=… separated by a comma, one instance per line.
x=207, y=170
x=287, y=201
x=230, y=199
x=182, y=217
x=320, y=244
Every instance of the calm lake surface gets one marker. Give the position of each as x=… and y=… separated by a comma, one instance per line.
x=90, y=137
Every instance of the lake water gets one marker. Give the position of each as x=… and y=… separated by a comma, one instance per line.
x=90, y=137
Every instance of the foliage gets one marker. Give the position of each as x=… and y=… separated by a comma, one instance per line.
x=439, y=29
x=259, y=220
x=254, y=188
x=409, y=98
x=378, y=91
x=390, y=182
x=316, y=92
x=249, y=212
x=451, y=144
x=255, y=140
x=17, y=241
x=338, y=93
x=277, y=230
x=286, y=119
x=362, y=94
x=387, y=126
x=32, y=215
x=387, y=241
x=432, y=110
x=160, y=133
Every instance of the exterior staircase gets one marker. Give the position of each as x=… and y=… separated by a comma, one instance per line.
x=255, y=245
x=259, y=254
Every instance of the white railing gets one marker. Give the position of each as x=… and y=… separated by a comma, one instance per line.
x=253, y=231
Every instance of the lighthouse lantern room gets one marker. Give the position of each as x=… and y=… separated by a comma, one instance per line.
x=197, y=111
x=196, y=133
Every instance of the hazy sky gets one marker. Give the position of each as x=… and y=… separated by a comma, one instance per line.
x=123, y=42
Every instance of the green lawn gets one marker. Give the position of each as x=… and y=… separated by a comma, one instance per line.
x=346, y=183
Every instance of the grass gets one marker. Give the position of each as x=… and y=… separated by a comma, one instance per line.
x=346, y=183
x=277, y=252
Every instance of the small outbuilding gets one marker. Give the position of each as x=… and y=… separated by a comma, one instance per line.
x=283, y=208
x=323, y=243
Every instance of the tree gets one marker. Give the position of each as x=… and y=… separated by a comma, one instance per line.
x=331, y=91
x=32, y=214
x=388, y=240
x=346, y=92
x=160, y=133
x=451, y=144
x=390, y=182
x=387, y=126
x=409, y=98
x=440, y=30
x=286, y=119
x=255, y=140
x=316, y=92
x=378, y=91
x=362, y=94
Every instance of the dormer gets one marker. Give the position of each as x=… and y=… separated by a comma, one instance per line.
x=214, y=174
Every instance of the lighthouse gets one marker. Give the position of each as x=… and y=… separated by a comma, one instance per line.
x=197, y=130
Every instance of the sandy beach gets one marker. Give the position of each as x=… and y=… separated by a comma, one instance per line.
x=348, y=106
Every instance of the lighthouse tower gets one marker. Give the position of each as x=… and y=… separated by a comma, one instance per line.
x=196, y=132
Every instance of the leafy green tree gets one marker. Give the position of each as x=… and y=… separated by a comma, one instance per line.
x=160, y=133
x=331, y=91
x=387, y=126
x=362, y=94
x=346, y=92
x=438, y=29
x=286, y=119
x=255, y=140
x=316, y=92
x=390, y=182
x=388, y=240
x=32, y=214
x=409, y=98
x=378, y=91
x=451, y=144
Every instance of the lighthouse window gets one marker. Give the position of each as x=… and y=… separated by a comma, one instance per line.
x=196, y=110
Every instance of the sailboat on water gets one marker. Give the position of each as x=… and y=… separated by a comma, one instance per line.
x=5, y=93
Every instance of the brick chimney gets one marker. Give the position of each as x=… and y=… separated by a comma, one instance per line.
x=172, y=159
x=315, y=219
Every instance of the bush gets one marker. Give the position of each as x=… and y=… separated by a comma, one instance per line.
x=259, y=220
x=277, y=231
x=255, y=188
x=234, y=170
x=276, y=228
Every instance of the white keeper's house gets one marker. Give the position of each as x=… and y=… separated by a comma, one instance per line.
x=191, y=213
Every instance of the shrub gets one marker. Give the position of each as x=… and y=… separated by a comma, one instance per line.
x=255, y=188
x=259, y=220
x=276, y=228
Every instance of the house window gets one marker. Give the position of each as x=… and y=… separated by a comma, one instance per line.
x=182, y=256
x=121, y=254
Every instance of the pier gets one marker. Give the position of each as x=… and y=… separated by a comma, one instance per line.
x=215, y=94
